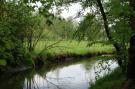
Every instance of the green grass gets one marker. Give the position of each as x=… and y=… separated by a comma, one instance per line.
x=111, y=81
x=72, y=47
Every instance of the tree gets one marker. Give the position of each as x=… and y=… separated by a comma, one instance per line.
x=62, y=28
x=112, y=22
x=118, y=46
x=131, y=63
x=90, y=29
x=15, y=20
x=35, y=31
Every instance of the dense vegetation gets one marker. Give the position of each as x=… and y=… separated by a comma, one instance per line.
x=21, y=29
x=115, y=80
x=29, y=32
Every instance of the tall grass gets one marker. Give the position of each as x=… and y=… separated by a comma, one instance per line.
x=114, y=80
x=72, y=47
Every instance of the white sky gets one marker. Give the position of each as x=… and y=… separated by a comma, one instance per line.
x=70, y=12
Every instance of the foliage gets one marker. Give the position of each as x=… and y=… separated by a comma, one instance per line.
x=15, y=22
x=115, y=20
x=111, y=81
x=28, y=59
x=119, y=17
x=35, y=31
x=23, y=25
x=90, y=29
x=61, y=29
x=3, y=63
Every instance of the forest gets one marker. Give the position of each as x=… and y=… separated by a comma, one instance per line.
x=41, y=47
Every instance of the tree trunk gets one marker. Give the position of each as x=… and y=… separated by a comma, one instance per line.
x=117, y=46
x=131, y=61
x=132, y=17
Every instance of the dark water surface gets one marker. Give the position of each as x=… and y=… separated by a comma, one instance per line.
x=71, y=75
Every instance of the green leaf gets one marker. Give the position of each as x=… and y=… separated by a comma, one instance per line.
x=3, y=62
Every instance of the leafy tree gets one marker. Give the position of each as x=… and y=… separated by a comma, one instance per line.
x=64, y=29
x=90, y=29
x=14, y=22
x=59, y=29
x=115, y=20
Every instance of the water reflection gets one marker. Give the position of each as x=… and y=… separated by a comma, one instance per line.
x=77, y=75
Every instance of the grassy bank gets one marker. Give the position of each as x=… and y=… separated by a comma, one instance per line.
x=114, y=80
x=63, y=51
x=72, y=47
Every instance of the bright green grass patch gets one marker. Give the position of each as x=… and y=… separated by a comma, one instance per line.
x=72, y=47
x=111, y=81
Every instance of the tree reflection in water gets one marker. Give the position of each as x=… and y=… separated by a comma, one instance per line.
x=71, y=75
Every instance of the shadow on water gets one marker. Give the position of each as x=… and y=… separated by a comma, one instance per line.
x=69, y=75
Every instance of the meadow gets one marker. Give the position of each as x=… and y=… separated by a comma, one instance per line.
x=71, y=47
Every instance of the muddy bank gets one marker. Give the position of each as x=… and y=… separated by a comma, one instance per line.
x=67, y=57
x=40, y=61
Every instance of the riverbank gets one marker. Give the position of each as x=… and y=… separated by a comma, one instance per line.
x=71, y=47
x=61, y=52
x=114, y=80
x=69, y=50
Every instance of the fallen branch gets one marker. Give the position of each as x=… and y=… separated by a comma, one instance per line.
x=50, y=46
x=53, y=83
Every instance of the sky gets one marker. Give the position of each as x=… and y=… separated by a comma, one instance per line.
x=70, y=12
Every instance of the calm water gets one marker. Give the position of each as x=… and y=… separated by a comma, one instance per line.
x=73, y=75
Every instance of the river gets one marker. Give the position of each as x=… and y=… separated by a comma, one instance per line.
x=70, y=75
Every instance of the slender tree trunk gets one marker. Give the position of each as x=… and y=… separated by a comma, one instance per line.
x=130, y=83
x=30, y=41
x=132, y=18
x=131, y=61
x=117, y=46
